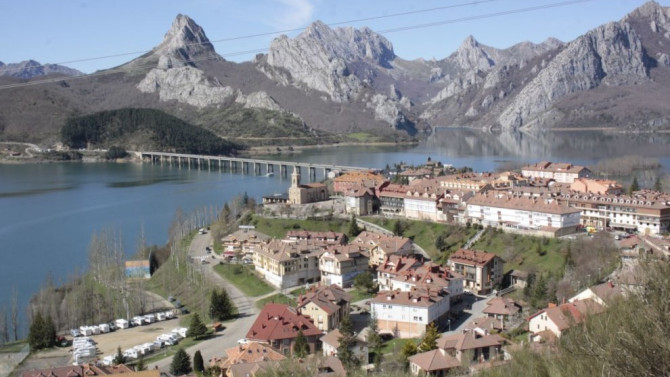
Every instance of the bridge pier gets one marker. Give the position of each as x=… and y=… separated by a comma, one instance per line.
x=282, y=170
x=312, y=173
x=257, y=168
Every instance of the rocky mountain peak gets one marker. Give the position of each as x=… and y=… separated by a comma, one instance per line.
x=552, y=42
x=28, y=69
x=471, y=56
x=184, y=42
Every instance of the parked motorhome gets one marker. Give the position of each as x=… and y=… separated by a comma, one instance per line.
x=131, y=353
x=137, y=321
x=122, y=323
x=160, y=316
x=104, y=328
x=169, y=314
x=85, y=331
x=181, y=331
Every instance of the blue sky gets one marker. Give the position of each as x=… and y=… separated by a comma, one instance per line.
x=56, y=31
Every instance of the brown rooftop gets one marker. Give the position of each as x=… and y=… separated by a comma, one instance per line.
x=472, y=257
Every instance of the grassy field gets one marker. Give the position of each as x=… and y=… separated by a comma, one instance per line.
x=243, y=277
x=277, y=299
x=523, y=252
x=13, y=346
x=425, y=233
x=395, y=345
x=278, y=228
x=363, y=137
x=358, y=295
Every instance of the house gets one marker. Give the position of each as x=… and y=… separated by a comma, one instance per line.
x=420, y=201
x=324, y=238
x=251, y=352
x=360, y=200
x=278, y=325
x=456, y=350
x=326, y=305
x=307, y=193
x=560, y=172
x=331, y=342
x=406, y=314
x=596, y=186
x=486, y=323
x=481, y=271
x=380, y=245
x=519, y=278
x=502, y=308
x=520, y=213
x=243, y=241
x=392, y=199
x=288, y=264
x=341, y=264
x=353, y=179
x=84, y=370
x=601, y=293
x=393, y=266
x=553, y=320
x=429, y=275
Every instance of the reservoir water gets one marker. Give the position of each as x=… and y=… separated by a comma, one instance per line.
x=48, y=212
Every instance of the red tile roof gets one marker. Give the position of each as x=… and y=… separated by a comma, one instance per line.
x=279, y=321
x=472, y=257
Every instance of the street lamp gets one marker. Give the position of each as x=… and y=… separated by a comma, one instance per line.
x=449, y=324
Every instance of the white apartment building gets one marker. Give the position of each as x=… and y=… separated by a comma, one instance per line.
x=406, y=314
x=339, y=265
x=288, y=264
x=560, y=172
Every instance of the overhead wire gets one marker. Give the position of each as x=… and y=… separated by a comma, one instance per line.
x=216, y=56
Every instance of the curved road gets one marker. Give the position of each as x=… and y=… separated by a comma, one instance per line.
x=235, y=329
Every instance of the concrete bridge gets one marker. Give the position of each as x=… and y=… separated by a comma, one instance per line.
x=237, y=164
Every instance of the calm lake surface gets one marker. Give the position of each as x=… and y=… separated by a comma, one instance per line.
x=48, y=212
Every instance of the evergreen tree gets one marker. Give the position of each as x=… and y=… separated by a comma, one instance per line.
x=634, y=186
x=408, y=350
x=36, y=332
x=375, y=342
x=429, y=341
x=49, y=333
x=354, y=229
x=198, y=363
x=181, y=363
x=140, y=364
x=196, y=329
x=300, y=348
x=657, y=184
x=119, y=358
x=539, y=292
x=347, y=342
x=397, y=228
x=364, y=281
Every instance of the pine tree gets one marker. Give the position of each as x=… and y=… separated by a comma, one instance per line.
x=140, y=364
x=36, y=332
x=347, y=342
x=375, y=342
x=221, y=308
x=119, y=358
x=196, y=329
x=354, y=229
x=49, y=333
x=634, y=186
x=657, y=184
x=181, y=363
x=429, y=341
x=300, y=348
x=198, y=363
x=397, y=228
x=408, y=350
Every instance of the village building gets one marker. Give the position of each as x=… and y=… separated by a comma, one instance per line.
x=453, y=205
x=560, y=172
x=393, y=266
x=596, y=186
x=502, y=309
x=356, y=179
x=481, y=271
x=428, y=275
x=418, y=173
x=360, y=200
x=392, y=199
x=331, y=342
x=86, y=370
x=550, y=322
x=288, y=264
x=243, y=241
x=644, y=211
x=326, y=305
x=278, y=326
x=323, y=238
x=543, y=216
x=251, y=352
x=307, y=193
x=421, y=200
x=601, y=293
x=486, y=323
x=379, y=246
x=341, y=264
x=406, y=314
x=328, y=366
x=519, y=278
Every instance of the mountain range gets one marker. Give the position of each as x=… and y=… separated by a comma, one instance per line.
x=345, y=80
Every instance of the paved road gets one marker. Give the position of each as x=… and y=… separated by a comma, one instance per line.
x=474, y=238
x=236, y=329
x=472, y=308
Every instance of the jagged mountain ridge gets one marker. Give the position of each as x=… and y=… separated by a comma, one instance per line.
x=28, y=69
x=346, y=79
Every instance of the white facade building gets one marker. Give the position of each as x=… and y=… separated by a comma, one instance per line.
x=406, y=314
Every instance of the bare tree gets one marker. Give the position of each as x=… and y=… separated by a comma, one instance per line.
x=15, y=313
x=4, y=330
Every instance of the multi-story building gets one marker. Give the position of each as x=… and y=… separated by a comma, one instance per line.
x=644, y=211
x=325, y=238
x=307, y=193
x=429, y=275
x=559, y=172
x=288, y=264
x=522, y=213
x=278, y=325
x=420, y=202
x=555, y=319
x=340, y=264
x=596, y=186
x=392, y=199
x=393, y=266
x=251, y=352
x=243, y=241
x=406, y=314
x=379, y=246
x=360, y=200
x=357, y=179
x=481, y=271
x=326, y=305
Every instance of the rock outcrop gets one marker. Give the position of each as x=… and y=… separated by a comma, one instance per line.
x=258, y=100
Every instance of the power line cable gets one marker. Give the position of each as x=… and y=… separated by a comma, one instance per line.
x=256, y=51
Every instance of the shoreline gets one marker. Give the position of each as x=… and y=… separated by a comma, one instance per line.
x=284, y=149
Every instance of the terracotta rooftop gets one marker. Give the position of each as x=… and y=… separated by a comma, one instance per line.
x=279, y=321
x=486, y=323
x=79, y=371
x=245, y=235
x=419, y=297
x=390, y=244
x=556, y=167
x=469, y=340
x=250, y=353
x=471, y=257
x=504, y=200
x=565, y=315
x=344, y=253
x=502, y=306
x=283, y=251
x=397, y=264
x=329, y=298
x=640, y=199
x=435, y=360
x=331, y=238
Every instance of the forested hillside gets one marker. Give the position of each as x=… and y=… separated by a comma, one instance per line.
x=147, y=129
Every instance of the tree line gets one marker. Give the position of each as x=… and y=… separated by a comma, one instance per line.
x=165, y=132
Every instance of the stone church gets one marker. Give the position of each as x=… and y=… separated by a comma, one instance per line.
x=309, y=193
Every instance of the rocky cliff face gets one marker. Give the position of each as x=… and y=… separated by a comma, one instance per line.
x=29, y=68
